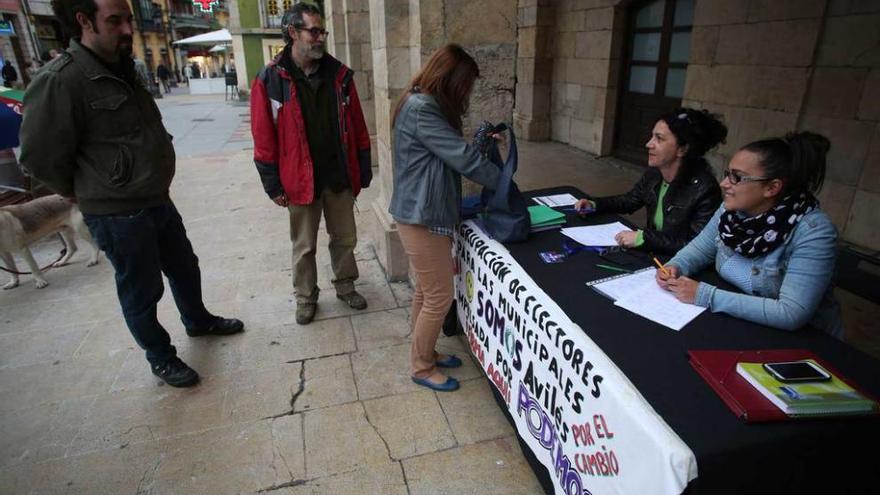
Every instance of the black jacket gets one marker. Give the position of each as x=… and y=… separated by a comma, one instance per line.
x=689, y=203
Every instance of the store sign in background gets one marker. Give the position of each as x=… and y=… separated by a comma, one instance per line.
x=580, y=416
x=6, y=28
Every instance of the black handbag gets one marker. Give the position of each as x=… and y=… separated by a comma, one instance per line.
x=506, y=214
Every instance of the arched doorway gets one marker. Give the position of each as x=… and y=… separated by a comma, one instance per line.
x=657, y=52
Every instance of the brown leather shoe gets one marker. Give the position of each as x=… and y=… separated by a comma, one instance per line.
x=354, y=300
x=305, y=312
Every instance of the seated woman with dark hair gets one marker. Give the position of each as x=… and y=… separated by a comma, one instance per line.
x=678, y=190
x=769, y=239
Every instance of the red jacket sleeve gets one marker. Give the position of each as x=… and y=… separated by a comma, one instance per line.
x=264, y=131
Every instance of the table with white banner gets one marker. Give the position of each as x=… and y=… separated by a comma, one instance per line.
x=604, y=402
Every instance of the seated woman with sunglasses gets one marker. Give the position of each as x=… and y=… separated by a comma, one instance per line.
x=678, y=190
x=769, y=239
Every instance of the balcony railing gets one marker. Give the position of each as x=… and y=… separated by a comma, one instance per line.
x=272, y=10
x=190, y=21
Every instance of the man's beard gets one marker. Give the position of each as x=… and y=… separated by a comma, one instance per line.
x=124, y=47
x=316, y=52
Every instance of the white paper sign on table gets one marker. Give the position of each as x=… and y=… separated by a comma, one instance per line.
x=596, y=235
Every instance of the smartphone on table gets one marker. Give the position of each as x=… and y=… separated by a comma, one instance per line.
x=797, y=371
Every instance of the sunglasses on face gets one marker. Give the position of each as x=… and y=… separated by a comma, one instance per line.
x=316, y=32
x=735, y=178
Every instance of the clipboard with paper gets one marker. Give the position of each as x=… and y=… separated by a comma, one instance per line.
x=639, y=293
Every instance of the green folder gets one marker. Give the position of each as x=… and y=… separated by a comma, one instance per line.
x=543, y=216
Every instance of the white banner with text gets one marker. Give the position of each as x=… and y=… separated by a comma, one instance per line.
x=581, y=417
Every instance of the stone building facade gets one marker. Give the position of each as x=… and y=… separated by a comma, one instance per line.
x=594, y=74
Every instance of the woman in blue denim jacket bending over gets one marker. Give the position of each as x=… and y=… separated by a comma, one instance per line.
x=430, y=156
x=769, y=239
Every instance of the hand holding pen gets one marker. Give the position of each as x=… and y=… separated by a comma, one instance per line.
x=665, y=273
x=582, y=207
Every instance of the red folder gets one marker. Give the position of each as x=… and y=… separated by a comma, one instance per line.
x=718, y=368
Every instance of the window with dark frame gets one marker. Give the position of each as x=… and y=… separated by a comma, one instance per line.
x=660, y=48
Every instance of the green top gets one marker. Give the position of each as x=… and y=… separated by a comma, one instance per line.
x=658, y=214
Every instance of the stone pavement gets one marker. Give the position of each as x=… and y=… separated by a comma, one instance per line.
x=282, y=408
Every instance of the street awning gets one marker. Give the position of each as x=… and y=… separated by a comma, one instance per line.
x=219, y=48
x=212, y=38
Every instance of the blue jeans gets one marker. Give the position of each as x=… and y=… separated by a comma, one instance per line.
x=142, y=245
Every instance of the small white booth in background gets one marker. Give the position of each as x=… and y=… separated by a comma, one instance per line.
x=221, y=40
x=210, y=86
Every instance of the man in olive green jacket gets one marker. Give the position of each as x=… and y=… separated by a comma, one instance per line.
x=92, y=133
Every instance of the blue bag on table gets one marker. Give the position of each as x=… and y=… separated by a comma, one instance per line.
x=505, y=213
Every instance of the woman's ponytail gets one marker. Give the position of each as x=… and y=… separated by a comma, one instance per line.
x=808, y=152
x=798, y=160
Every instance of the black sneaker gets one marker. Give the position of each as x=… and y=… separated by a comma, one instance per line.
x=220, y=326
x=176, y=373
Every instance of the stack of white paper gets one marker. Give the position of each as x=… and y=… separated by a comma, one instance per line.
x=596, y=235
x=556, y=200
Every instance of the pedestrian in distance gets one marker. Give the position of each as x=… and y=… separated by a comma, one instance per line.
x=34, y=67
x=10, y=75
x=430, y=156
x=112, y=155
x=164, y=76
x=312, y=151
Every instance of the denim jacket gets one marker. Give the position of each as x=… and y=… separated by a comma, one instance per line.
x=791, y=285
x=429, y=159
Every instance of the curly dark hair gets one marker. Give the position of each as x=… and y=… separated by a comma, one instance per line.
x=699, y=130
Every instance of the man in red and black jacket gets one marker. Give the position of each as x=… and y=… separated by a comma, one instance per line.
x=312, y=150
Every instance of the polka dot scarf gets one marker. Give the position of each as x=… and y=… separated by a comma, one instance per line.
x=758, y=235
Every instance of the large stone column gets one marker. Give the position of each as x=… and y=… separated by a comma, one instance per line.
x=534, y=69
x=360, y=57
x=391, y=29
x=337, y=41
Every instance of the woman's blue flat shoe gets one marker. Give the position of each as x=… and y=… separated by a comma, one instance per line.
x=450, y=362
x=449, y=385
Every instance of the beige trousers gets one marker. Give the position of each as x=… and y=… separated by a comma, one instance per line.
x=338, y=211
x=430, y=256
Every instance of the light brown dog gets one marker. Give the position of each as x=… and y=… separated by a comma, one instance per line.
x=23, y=225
